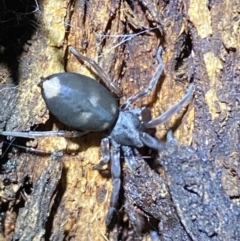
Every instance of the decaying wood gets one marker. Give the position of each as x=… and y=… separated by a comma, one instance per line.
x=201, y=44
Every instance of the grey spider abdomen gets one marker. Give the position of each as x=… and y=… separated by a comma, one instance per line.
x=79, y=101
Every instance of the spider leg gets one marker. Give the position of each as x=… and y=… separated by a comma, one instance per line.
x=154, y=235
x=136, y=217
x=116, y=173
x=27, y=149
x=129, y=157
x=104, y=76
x=170, y=112
x=152, y=84
x=105, y=151
x=37, y=134
x=152, y=142
x=170, y=137
x=114, y=155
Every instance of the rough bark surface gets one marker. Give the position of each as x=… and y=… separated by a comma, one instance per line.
x=46, y=197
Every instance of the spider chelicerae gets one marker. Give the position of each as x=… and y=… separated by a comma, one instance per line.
x=84, y=104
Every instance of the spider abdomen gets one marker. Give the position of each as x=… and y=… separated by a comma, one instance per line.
x=79, y=101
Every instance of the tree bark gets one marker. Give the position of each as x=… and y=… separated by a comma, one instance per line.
x=200, y=41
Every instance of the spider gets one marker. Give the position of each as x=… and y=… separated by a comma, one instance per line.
x=87, y=106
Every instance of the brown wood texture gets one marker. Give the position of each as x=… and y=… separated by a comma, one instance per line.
x=200, y=42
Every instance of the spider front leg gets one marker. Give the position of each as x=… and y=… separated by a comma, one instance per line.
x=151, y=141
x=173, y=110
